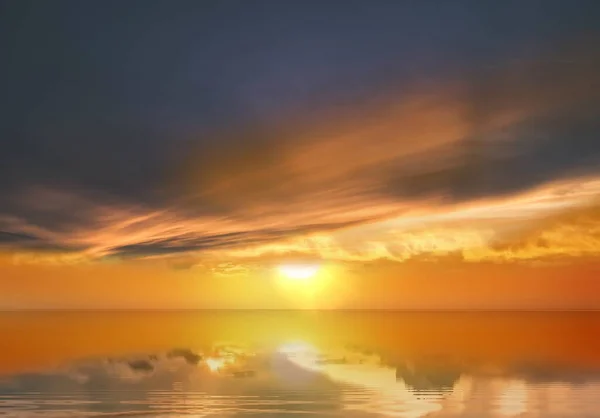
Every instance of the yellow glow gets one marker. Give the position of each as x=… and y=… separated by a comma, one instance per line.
x=298, y=271
x=311, y=286
x=215, y=364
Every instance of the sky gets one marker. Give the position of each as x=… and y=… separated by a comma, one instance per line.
x=425, y=155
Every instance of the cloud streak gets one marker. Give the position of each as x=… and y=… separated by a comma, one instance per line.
x=494, y=166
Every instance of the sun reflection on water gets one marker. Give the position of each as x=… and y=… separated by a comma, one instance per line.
x=512, y=399
x=380, y=390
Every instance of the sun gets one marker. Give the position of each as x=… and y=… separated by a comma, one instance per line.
x=307, y=285
x=298, y=271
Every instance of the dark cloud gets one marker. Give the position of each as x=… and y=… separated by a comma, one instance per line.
x=141, y=365
x=11, y=238
x=545, y=373
x=535, y=152
x=188, y=355
x=220, y=241
x=427, y=378
x=263, y=115
x=523, y=124
x=30, y=242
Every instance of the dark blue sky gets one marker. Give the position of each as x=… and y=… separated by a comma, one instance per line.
x=169, y=66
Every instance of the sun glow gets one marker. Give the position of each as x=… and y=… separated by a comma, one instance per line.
x=298, y=271
x=311, y=285
x=215, y=364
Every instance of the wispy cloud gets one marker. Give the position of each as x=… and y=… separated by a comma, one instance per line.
x=478, y=166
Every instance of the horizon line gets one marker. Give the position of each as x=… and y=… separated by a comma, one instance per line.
x=199, y=310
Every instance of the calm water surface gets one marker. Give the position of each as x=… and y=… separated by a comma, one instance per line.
x=284, y=364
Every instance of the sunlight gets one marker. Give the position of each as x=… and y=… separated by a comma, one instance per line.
x=215, y=364
x=298, y=271
x=310, y=285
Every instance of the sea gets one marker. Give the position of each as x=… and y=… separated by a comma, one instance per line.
x=346, y=364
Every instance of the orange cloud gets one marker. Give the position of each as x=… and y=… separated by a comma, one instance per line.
x=461, y=166
x=534, y=226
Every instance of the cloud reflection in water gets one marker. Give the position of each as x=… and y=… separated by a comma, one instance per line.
x=289, y=372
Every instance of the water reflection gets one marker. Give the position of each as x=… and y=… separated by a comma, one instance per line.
x=284, y=364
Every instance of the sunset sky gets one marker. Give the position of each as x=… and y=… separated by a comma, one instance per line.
x=417, y=154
